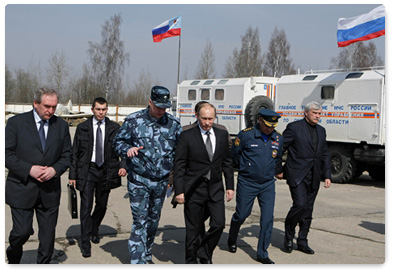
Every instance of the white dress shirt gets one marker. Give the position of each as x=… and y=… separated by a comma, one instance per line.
x=212, y=137
x=102, y=127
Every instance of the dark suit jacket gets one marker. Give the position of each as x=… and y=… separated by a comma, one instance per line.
x=82, y=155
x=192, y=162
x=23, y=150
x=302, y=156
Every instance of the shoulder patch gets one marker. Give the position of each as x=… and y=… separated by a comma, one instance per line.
x=237, y=141
x=248, y=129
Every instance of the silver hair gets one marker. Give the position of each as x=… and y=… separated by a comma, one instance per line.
x=44, y=91
x=312, y=105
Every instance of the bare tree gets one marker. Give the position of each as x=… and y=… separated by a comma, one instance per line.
x=249, y=60
x=141, y=89
x=357, y=55
x=277, y=59
x=108, y=58
x=26, y=84
x=58, y=71
x=85, y=88
x=9, y=90
x=206, y=68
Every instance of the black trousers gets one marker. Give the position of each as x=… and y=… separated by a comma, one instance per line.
x=198, y=243
x=301, y=212
x=22, y=228
x=90, y=222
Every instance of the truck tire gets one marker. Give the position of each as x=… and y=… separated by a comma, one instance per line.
x=252, y=108
x=343, y=164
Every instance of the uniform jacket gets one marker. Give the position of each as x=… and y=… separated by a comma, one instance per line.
x=82, y=155
x=258, y=161
x=159, y=138
x=302, y=156
x=192, y=163
x=23, y=150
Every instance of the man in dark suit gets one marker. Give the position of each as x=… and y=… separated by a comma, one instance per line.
x=95, y=170
x=37, y=153
x=202, y=156
x=307, y=161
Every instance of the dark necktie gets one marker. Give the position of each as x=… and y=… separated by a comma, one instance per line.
x=209, y=148
x=41, y=133
x=99, y=145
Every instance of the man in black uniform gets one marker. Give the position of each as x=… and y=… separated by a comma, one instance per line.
x=307, y=161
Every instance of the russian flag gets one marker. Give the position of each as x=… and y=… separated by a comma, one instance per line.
x=361, y=28
x=167, y=29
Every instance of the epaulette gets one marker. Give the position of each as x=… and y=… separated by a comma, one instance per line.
x=248, y=129
x=278, y=132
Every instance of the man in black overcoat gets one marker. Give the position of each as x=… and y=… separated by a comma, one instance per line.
x=95, y=170
x=307, y=162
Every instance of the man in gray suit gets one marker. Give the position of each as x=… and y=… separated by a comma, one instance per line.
x=37, y=153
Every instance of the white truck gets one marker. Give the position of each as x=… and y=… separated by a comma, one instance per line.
x=353, y=111
x=353, y=114
x=236, y=100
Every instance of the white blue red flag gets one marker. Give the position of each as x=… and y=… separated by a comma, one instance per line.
x=361, y=28
x=169, y=28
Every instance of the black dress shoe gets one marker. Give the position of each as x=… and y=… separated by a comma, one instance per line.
x=232, y=247
x=265, y=260
x=86, y=253
x=306, y=249
x=288, y=246
x=14, y=259
x=205, y=261
x=95, y=239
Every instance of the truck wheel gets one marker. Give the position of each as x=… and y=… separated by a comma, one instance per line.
x=252, y=108
x=343, y=164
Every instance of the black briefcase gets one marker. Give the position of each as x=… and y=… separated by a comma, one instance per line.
x=72, y=201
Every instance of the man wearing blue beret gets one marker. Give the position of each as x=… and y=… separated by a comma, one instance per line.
x=258, y=152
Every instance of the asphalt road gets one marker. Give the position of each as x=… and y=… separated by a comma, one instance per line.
x=348, y=228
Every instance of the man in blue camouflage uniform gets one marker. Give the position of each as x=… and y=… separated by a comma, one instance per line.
x=148, y=139
x=258, y=152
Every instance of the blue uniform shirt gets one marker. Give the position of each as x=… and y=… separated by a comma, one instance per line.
x=258, y=161
x=159, y=138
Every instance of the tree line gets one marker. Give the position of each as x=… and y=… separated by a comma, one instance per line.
x=103, y=76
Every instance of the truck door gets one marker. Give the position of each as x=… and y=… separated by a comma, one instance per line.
x=364, y=121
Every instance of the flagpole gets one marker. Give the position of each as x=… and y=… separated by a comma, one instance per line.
x=179, y=54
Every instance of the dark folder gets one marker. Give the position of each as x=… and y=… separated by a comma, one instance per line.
x=72, y=201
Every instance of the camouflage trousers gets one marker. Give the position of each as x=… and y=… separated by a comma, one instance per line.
x=146, y=201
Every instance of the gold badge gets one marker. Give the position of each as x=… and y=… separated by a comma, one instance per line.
x=274, y=153
x=237, y=141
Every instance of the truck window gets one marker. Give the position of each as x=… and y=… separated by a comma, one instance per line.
x=219, y=94
x=354, y=75
x=205, y=95
x=223, y=81
x=191, y=94
x=327, y=92
x=310, y=78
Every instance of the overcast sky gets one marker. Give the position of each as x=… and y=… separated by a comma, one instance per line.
x=34, y=32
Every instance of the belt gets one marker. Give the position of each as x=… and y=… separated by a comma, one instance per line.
x=154, y=179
